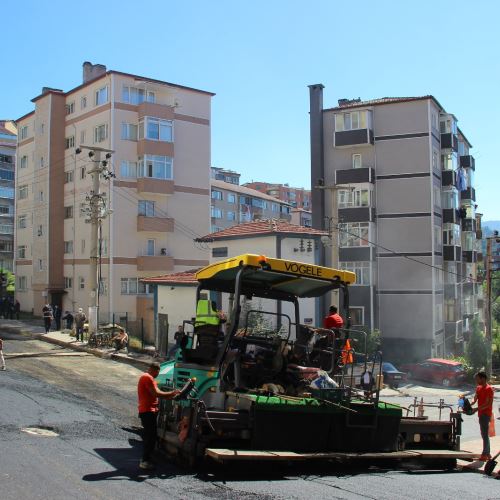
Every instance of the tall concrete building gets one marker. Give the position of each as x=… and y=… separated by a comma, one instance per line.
x=8, y=141
x=398, y=187
x=160, y=135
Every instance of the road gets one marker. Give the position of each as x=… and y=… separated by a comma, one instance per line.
x=88, y=405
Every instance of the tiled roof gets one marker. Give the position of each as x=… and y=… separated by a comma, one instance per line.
x=236, y=188
x=260, y=228
x=382, y=100
x=181, y=278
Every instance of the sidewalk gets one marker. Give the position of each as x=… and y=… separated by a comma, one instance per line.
x=64, y=340
x=476, y=446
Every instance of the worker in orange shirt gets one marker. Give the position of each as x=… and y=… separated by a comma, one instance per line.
x=333, y=321
x=484, y=410
x=148, y=394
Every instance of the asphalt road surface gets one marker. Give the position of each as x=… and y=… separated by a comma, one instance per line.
x=86, y=406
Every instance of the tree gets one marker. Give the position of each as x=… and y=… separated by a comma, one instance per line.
x=478, y=351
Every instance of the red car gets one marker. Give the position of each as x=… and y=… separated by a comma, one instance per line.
x=436, y=370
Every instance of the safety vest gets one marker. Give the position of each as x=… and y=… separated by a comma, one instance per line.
x=205, y=313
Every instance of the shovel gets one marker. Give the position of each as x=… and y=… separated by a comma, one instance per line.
x=490, y=465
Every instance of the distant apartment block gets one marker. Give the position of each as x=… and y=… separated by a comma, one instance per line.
x=160, y=135
x=296, y=197
x=233, y=204
x=301, y=217
x=403, y=177
x=8, y=142
x=221, y=174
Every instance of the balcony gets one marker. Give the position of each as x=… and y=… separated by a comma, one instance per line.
x=452, y=253
x=161, y=263
x=451, y=291
x=355, y=175
x=450, y=215
x=158, y=224
x=470, y=288
x=357, y=214
x=469, y=256
x=469, y=225
x=468, y=161
x=6, y=229
x=449, y=141
x=357, y=137
x=159, y=148
x=468, y=194
x=151, y=185
x=156, y=110
x=454, y=329
x=448, y=178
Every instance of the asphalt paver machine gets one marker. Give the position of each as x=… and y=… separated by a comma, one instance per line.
x=247, y=375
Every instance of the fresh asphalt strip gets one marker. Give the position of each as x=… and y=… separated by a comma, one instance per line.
x=45, y=354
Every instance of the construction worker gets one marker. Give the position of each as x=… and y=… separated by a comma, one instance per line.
x=484, y=410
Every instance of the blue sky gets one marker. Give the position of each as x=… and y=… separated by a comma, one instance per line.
x=259, y=57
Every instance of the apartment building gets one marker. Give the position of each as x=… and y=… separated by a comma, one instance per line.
x=296, y=197
x=8, y=141
x=221, y=174
x=398, y=188
x=156, y=205
x=233, y=204
x=301, y=217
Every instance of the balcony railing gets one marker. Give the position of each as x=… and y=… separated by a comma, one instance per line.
x=355, y=175
x=6, y=229
x=356, y=137
x=467, y=161
x=449, y=141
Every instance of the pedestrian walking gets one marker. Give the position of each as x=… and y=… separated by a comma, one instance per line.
x=178, y=336
x=2, y=359
x=484, y=410
x=80, y=320
x=148, y=394
x=17, y=309
x=57, y=317
x=47, y=317
x=68, y=317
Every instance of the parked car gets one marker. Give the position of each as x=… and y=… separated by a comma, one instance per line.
x=438, y=371
x=392, y=376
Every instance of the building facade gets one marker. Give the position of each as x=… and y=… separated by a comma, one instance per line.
x=156, y=204
x=233, y=204
x=398, y=189
x=296, y=197
x=8, y=142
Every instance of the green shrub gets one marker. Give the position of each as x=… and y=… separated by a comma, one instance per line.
x=478, y=351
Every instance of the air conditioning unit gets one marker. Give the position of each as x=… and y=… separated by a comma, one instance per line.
x=163, y=251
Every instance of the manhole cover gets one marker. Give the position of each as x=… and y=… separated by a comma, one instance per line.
x=40, y=431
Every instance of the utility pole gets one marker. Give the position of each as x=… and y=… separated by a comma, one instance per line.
x=96, y=211
x=489, y=271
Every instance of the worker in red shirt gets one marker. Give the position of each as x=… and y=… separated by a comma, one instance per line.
x=148, y=394
x=333, y=320
x=484, y=399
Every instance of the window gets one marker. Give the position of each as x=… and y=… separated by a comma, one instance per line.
x=351, y=121
x=21, y=252
x=68, y=247
x=435, y=156
x=216, y=195
x=132, y=286
x=22, y=221
x=150, y=247
x=23, y=132
x=22, y=192
x=40, y=196
x=361, y=269
x=39, y=231
x=215, y=212
x=68, y=282
x=83, y=173
x=68, y=212
x=256, y=202
x=6, y=175
x=469, y=239
x=448, y=125
x=437, y=196
x=231, y=215
x=355, y=234
x=157, y=167
x=349, y=198
x=156, y=129
x=356, y=161
x=83, y=246
x=81, y=282
x=6, y=229
x=4, y=210
x=133, y=95
x=219, y=252
x=101, y=96
x=451, y=234
x=23, y=162
x=70, y=142
x=42, y=162
x=6, y=192
x=129, y=132
x=100, y=133
x=40, y=265
x=6, y=246
x=68, y=176
x=83, y=102
x=231, y=198
x=357, y=315
x=449, y=161
x=147, y=208
x=6, y=158
x=434, y=121
x=438, y=232
x=82, y=136
x=128, y=169
x=70, y=108
x=275, y=207
x=22, y=283
x=449, y=198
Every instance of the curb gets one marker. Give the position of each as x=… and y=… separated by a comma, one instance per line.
x=137, y=363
